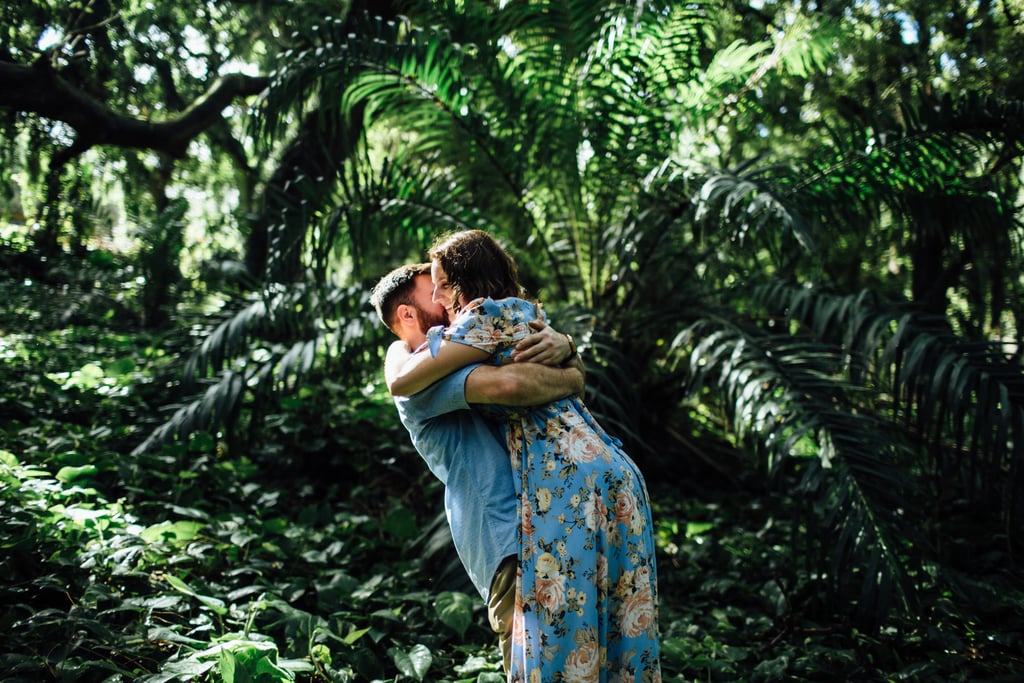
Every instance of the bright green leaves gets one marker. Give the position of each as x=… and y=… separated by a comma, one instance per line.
x=210, y=588
x=70, y=474
x=244, y=660
x=179, y=532
x=235, y=658
x=93, y=376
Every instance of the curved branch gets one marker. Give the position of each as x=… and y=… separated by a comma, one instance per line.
x=38, y=89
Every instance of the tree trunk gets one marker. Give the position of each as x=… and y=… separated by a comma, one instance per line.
x=274, y=248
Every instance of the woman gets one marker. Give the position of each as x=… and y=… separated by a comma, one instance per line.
x=586, y=606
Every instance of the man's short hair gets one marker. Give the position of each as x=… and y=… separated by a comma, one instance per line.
x=395, y=289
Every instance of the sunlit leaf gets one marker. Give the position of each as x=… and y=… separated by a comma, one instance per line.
x=70, y=474
x=414, y=662
x=181, y=531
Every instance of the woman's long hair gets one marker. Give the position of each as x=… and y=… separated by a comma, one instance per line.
x=476, y=266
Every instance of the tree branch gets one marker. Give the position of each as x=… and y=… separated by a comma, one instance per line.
x=38, y=89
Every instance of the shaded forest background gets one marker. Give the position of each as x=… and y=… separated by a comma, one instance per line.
x=788, y=236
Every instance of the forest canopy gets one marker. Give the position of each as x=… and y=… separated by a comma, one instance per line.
x=786, y=236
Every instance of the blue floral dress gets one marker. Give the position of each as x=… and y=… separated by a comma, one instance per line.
x=586, y=593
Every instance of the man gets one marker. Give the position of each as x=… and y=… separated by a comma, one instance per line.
x=458, y=445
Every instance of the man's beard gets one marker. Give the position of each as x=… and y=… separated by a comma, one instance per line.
x=428, y=320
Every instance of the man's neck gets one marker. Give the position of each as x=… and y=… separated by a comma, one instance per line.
x=414, y=341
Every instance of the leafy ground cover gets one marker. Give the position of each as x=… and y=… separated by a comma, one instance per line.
x=318, y=553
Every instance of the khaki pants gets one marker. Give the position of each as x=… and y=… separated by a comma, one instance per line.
x=501, y=605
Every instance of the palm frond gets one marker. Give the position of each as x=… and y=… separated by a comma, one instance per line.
x=372, y=68
x=977, y=115
x=218, y=405
x=785, y=397
x=570, y=27
x=967, y=401
x=936, y=153
x=265, y=349
x=278, y=313
x=963, y=398
x=403, y=197
x=752, y=205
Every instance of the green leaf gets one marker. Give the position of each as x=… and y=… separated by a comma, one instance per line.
x=455, y=610
x=698, y=528
x=415, y=663
x=88, y=376
x=121, y=367
x=185, y=669
x=355, y=634
x=401, y=523
x=201, y=442
x=214, y=604
x=229, y=668
x=181, y=531
x=70, y=474
x=475, y=664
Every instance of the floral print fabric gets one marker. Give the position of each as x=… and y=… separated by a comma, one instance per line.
x=586, y=598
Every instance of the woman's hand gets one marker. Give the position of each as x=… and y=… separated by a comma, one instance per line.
x=546, y=346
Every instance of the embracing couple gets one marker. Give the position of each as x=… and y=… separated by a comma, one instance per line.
x=550, y=517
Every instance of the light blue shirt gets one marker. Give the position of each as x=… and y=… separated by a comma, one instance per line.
x=463, y=452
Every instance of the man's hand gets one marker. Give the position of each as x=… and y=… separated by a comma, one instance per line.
x=545, y=346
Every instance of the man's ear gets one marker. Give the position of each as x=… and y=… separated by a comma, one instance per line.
x=405, y=315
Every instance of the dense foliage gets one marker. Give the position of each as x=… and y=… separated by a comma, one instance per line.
x=788, y=236
x=318, y=554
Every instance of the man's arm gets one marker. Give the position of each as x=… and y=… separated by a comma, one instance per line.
x=544, y=346
x=546, y=369
x=523, y=384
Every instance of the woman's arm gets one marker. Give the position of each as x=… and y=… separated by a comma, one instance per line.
x=419, y=370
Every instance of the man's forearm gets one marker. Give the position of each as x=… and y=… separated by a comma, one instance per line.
x=522, y=384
